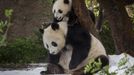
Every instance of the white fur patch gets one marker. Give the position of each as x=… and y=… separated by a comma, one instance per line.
x=57, y=36
x=59, y=4
x=65, y=58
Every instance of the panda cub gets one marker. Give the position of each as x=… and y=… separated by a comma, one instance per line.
x=72, y=47
x=63, y=11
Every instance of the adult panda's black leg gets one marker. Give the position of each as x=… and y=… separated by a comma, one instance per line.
x=77, y=57
x=54, y=59
x=80, y=39
x=53, y=67
x=81, y=46
x=86, y=74
x=104, y=60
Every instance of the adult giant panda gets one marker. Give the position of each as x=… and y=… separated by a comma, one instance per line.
x=70, y=53
x=72, y=47
x=63, y=11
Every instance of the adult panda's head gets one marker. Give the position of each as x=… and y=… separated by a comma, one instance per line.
x=54, y=37
x=61, y=8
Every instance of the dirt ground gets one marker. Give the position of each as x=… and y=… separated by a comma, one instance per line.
x=27, y=17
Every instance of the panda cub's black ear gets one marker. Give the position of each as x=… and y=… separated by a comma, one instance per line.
x=55, y=26
x=66, y=1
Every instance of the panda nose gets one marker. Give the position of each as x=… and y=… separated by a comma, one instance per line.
x=52, y=52
x=57, y=18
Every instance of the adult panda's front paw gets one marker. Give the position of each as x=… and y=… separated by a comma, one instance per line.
x=53, y=69
x=72, y=66
x=43, y=73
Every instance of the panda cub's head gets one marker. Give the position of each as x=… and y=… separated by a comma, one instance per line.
x=61, y=8
x=54, y=37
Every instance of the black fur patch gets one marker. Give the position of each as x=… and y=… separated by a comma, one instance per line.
x=60, y=11
x=54, y=59
x=66, y=1
x=104, y=60
x=41, y=30
x=72, y=17
x=80, y=40
x=55, y=26
x=53, y=69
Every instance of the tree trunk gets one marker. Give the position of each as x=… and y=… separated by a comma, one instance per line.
x=100, y=19
x=120, y=25
x=83, y=15
x=126, y=2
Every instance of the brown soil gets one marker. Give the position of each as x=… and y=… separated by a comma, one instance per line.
x=27, y=17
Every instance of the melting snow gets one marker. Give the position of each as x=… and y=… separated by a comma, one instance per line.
x=114, y=60
x=28, y=71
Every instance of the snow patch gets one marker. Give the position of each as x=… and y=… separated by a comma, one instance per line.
x=114, y=66
x=29, y=71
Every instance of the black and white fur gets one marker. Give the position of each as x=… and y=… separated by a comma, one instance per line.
x=61, y=8
x=79, y=48
x=84, y=48
x=63, y=11
x=54, y=37
x=71, y=47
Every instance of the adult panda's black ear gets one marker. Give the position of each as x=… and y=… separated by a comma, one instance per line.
x=66, y=1
x=53, y=1
x=44, y=25
x=55, y=26
x=41, y=30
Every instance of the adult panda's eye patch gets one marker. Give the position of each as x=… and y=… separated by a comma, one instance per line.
x=60, y=11
x=66, y=1
x=54, y=44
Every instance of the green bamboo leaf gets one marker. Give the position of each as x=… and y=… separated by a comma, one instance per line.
x=123, y=61
x=8, y=12
x=6, y=23
x=1, y=30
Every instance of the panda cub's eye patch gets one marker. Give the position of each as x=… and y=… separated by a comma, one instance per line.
x=54, y=11
x=54, y=44
x=60, y=11
x=47, y=46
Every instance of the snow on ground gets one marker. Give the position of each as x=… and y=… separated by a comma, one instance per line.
x=27, y=71
x=114, y=60
x=114, y=66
